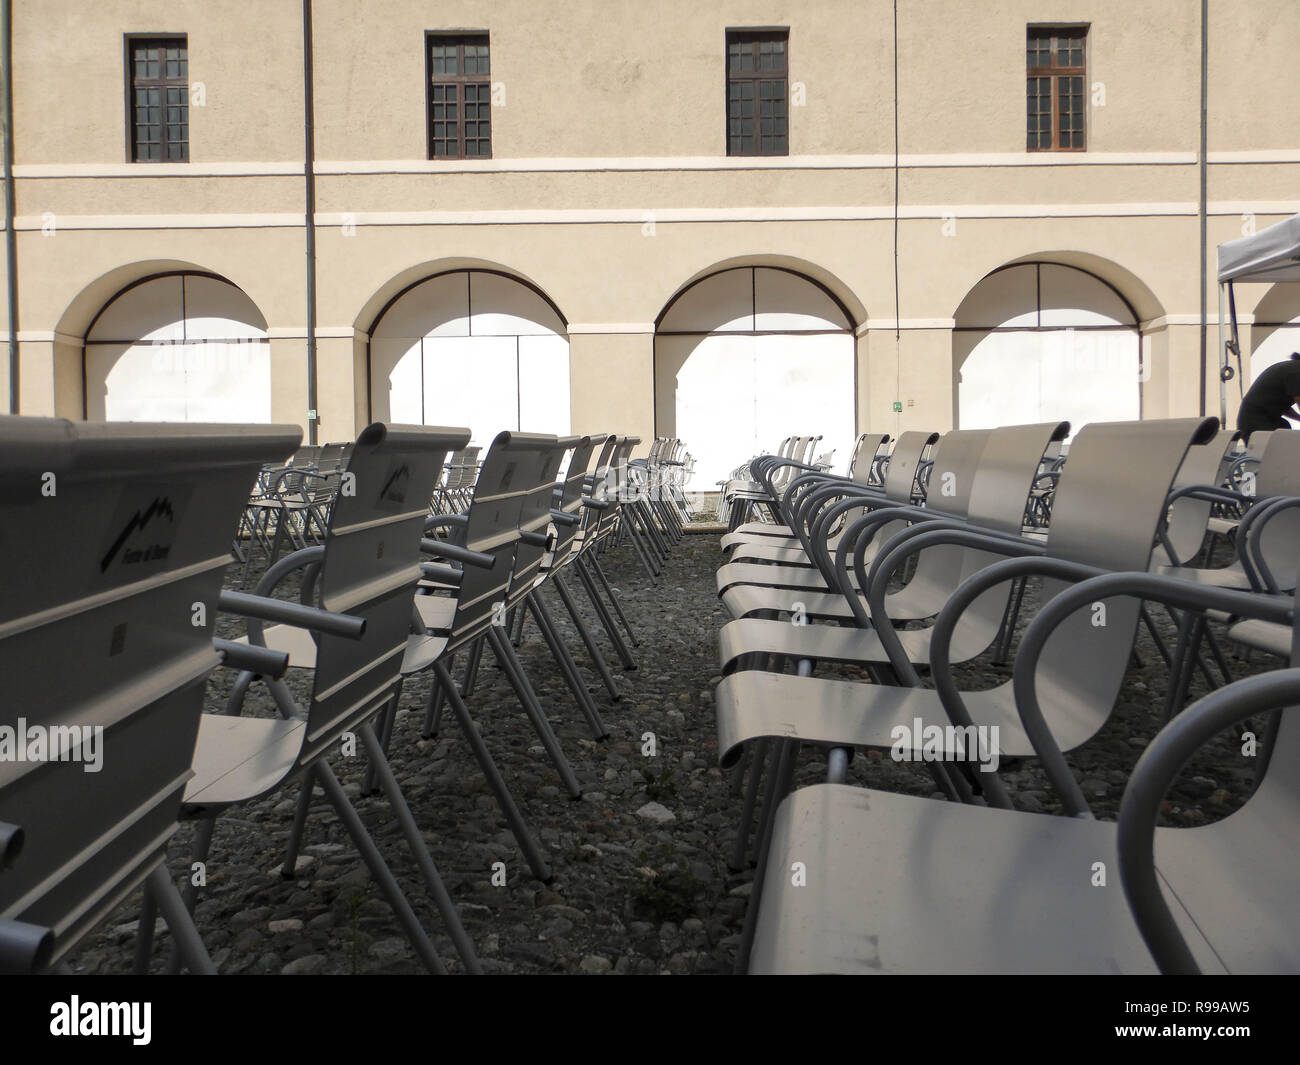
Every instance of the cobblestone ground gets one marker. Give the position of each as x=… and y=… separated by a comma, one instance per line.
x=640, y=883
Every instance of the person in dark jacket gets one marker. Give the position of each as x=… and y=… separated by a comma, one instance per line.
x=1274, y=393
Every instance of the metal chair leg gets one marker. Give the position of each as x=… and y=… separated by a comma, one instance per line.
x=392, y=891
x=589, y=641
x=179, y=922
x=564, y=659
x=531, y=849
x=533, y=708
x=438, y=890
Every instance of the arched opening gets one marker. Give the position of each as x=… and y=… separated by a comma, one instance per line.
x=471, y=347
x=178, y=347
x=1042, y=341
x=1275, y=333
x=747, y=356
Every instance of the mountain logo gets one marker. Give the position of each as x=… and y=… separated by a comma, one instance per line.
x=146, y=534
x=394, y=489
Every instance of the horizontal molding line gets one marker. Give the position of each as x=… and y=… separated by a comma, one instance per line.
x=597, y=164
x=637, y=216
x=905, y=323
x=581, y=164
x=641, y=217
x=36, y=223
x=1191, y=319
x=157, y=170
x=39, y=336
x=610, y=328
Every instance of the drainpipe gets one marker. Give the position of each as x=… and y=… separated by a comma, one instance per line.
x=309, y=170
x=11, y=238
x=1205, y=68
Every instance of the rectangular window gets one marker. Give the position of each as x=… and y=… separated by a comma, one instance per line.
x=1056, y=76
x=158, y=99
x=758, y=92
x=460, y=97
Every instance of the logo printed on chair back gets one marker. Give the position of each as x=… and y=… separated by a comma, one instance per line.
x=392, y=491
x=143, y=528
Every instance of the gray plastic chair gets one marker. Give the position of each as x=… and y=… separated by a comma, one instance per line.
x=991, y=469
x=901, y=884
x=1099, y=524
x=1270, y=538
x=112, y=535
x=900, y=484
x=364, y=576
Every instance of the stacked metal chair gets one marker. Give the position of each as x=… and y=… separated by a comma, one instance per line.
x=363, y=577
x=121, y=623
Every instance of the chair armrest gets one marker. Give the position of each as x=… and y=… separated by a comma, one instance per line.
x=260, y=661
x=24, y=948
x=439, y=521
x=562, y=517
x=11, y=843
x=455, y=553
x=1253, y=525
x=258, y=608
x=941, y=639
x=900, y=547
x=1148, y=586
x=1152, y=777
x=445, y=574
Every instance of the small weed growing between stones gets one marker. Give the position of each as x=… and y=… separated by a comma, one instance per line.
x=659, y=785
x=667, y=888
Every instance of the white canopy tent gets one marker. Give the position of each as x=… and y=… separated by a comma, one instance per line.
x=1269, y=256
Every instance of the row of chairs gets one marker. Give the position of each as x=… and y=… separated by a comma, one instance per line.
x=126, y=637
x=888, y=882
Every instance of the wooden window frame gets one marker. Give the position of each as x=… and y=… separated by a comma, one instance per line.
x=755, y=36
x=1054, y=74
x=129, y=43
x=459, y=81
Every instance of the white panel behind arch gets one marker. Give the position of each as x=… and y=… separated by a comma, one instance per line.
x=722, y=303
x=217, y=310
x=150, y=310
x=471, y=381
x=1072, y=297
x=1080, y=376
x=787, y=302
x=436, y=307
x=544, y=385
x=501, y=306
x=181, y=348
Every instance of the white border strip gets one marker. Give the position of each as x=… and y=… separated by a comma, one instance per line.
x=712, y=162
x=157, y=170
x=33, y=223
x=700, y=215
x=873, y=324
x=582, y=164
x=609, y=328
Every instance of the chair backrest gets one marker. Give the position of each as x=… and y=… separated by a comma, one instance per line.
x=1279, y=475
x=572, y=489
x=1108, y=505
x=114, y=538
x=370, y=570
x=492, y=527
x=538, y=472
x=868, y=447
x=1005, y=475
x=1189, y=518
x=904, y=461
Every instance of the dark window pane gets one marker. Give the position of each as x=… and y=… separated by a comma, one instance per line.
x=459, y=97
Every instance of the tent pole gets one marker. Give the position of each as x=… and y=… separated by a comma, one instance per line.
x=1223, y=361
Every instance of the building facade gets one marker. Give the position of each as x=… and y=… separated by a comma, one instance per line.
x=726, y=222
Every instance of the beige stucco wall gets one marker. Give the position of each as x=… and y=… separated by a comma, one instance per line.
x=610, y=190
